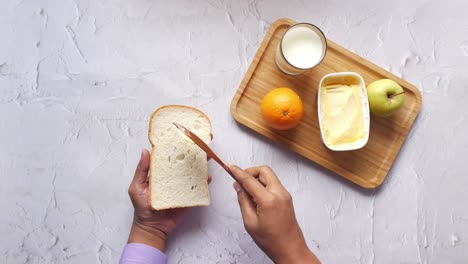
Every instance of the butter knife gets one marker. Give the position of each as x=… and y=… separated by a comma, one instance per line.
x=199, y=142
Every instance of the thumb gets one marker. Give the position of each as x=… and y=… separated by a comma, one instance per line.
x=141, y=172
x=248, y=211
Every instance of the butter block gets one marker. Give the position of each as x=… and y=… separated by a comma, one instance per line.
x=343, y=111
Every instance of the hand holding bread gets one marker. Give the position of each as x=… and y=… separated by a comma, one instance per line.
x=150, y=227
x=172, y=177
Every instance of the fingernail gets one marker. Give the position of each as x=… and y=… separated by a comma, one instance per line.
x=230, y=165
x=142, y=153
x=237, y=187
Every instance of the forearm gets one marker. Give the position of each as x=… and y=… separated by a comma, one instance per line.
x=304, y=256
x=297, y=253
x=145, y=235
x=136, y=253
x=144, y=246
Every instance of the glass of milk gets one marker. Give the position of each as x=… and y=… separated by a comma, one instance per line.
x=302, y=47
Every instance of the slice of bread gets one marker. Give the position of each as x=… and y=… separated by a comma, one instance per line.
x=178, y=168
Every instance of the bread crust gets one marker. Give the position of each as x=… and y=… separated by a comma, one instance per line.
x=150, y=131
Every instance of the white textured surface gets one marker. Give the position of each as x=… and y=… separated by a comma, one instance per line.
x=79, y=80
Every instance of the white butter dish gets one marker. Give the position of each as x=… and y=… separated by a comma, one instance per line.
x=343, y=80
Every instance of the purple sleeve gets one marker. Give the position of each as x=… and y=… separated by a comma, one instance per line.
x=135, y=253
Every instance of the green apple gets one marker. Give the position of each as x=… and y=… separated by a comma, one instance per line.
x=385, y=97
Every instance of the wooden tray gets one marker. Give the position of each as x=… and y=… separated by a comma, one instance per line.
x=366, y=167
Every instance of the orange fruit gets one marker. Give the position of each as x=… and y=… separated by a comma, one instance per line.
x=282, y=108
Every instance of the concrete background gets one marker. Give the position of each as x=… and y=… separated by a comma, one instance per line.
x=79, y=79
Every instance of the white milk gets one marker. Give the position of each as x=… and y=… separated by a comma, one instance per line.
x=303, y=47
